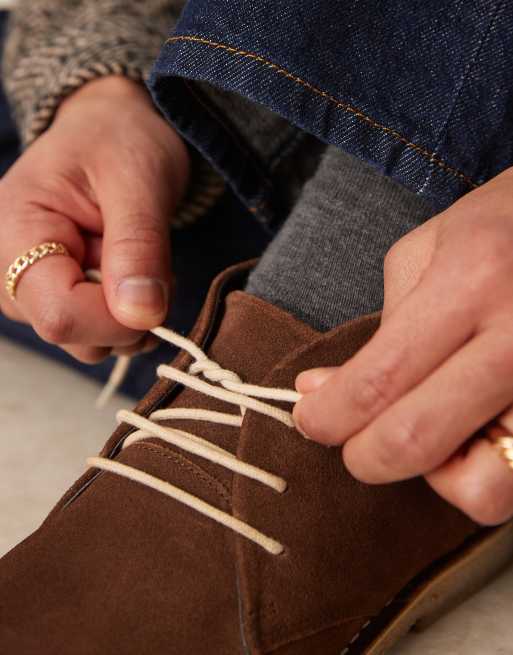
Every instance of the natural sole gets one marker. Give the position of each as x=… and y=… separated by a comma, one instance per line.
x=450, y=585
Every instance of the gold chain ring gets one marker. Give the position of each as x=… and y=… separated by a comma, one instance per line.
x=25, y=261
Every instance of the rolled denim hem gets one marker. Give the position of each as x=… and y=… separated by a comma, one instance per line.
x=202, y=125
x=309, y=107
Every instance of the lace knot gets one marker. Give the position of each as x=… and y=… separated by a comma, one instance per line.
x=232, y=390
x=213, y=371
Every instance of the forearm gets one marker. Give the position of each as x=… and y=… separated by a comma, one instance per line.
x=54, y=47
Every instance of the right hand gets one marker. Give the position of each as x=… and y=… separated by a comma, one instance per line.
x=103, y=180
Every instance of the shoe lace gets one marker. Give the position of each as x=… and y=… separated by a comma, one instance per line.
x=228, y=387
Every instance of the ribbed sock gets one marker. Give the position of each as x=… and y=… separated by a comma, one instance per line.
x=325, y=266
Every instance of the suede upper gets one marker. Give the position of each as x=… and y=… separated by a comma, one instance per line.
x=350, y=547
x=120, y=568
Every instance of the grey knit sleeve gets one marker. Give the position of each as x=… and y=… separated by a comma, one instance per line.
x=54, y=47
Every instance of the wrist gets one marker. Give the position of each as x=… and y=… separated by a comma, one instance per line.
x=115, y=87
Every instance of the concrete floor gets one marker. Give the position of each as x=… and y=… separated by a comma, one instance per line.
x=49, y=426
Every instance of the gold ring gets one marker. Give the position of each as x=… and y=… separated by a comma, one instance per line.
x=25, y=261
x=501, y=441
x=504, y=445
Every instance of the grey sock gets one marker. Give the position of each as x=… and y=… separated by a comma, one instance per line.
x=325, y=265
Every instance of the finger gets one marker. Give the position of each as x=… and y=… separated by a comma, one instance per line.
x=136, y=252
x=425, y=427
x=88, y=354
x=147, y=344
x=12, y=312
x=52, y=294
x=64, y=309
x=33, y=227
x=418, y=335
x=479, y=482
x=311, y=380
x=406, y=263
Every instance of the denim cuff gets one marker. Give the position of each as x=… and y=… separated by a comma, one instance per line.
x=263, y=157
x=422, y=91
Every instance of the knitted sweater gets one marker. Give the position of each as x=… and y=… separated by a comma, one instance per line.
x=54, y=47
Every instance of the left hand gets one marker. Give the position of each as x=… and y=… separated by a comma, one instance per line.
x=440, y=366
x=103, y=180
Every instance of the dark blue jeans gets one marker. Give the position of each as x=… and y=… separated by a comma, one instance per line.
x=421, y=89
x=227, y=235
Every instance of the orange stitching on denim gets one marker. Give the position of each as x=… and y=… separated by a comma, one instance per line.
x=338, y=103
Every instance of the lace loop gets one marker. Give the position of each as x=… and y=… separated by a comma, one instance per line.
x=200, y=447
x=272, y=546
x=245, y=402
x=229, y=388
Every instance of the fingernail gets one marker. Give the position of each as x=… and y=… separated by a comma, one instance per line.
x=311, y=380
x=297, y=424
x=142, y=296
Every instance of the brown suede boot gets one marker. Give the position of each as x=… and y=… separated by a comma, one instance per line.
x=228, y=533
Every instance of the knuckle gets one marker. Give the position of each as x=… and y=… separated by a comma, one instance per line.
x=55, y=325
x=140, y=245
x=139, y=229
x=386, y=456
x=393, y=256
x=491, y=251
x=373, y=391
x=404, y=441
x=406, y=247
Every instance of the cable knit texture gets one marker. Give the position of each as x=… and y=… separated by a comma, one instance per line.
x=56, y=46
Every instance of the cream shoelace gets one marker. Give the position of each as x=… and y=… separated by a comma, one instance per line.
x=227, y=387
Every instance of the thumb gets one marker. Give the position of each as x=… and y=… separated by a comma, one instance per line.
x=136, y=256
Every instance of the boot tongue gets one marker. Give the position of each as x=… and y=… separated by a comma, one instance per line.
x=254, y=335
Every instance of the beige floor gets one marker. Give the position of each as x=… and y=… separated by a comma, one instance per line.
x=40, y=457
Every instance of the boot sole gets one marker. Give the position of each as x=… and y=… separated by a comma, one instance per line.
x=442, y=590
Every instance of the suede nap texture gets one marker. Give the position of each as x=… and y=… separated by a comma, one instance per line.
x=119, y=568
x=350, y=547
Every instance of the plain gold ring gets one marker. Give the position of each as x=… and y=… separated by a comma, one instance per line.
x=501, y=441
